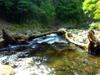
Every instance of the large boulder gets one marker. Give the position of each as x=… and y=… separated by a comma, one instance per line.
x=94, y=44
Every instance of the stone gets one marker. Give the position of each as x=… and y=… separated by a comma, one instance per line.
x=6, y=70
x=94, y=44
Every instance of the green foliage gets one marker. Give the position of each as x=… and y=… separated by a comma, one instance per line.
x=95, y=25
x=66, y=9
x=92, y=8
x=16, y=9
x=41, y=10
x=47, y=10
x=19, y=10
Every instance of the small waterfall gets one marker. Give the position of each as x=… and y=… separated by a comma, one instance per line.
x=55, y=40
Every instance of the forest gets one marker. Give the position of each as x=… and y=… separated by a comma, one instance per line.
x=50, y=37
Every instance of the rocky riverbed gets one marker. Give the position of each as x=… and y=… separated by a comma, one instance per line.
x=23, y=63
x=50, y=62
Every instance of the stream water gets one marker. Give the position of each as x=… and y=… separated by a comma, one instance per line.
x=56, y=40
x=58, y=61
x=72, y=62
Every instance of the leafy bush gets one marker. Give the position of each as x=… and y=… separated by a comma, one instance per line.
x=95, y=25
x=92, y=8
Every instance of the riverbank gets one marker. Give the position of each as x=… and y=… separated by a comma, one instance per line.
x=51, y=62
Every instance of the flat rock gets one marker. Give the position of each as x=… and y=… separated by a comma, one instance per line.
x=6, y=70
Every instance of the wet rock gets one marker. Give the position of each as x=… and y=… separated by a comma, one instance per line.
x=32, y=66
x=27, y=65
x=86, y=62
x=23, y=54
x=94, y=44
x=29, y=33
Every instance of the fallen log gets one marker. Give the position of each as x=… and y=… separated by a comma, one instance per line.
x=58, y=40
x=77, y=44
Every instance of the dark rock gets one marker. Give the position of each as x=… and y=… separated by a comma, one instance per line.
x=94, y=44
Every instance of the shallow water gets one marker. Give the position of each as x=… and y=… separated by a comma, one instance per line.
x=67, y=62
x=72, y=62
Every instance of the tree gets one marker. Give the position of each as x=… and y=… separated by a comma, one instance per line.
x=66, y=9
x=19, y=10
x=40, y=10
x=16, y=10
x=92, y=8
x=47, y=10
